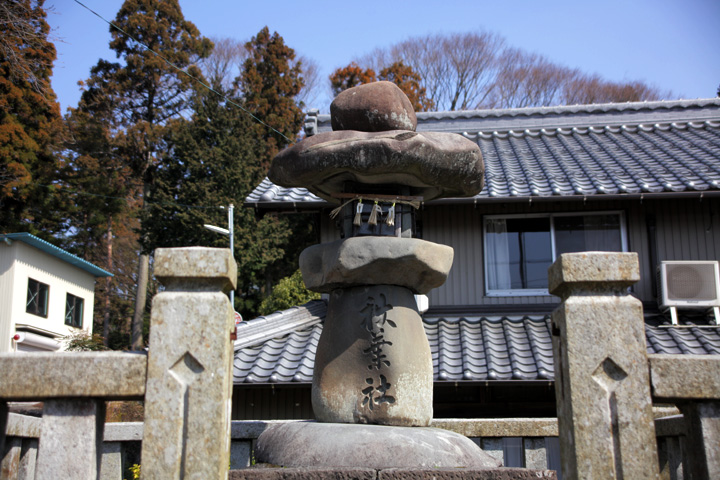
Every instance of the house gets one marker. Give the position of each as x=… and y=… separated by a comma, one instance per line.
x=45, y=294
x=639, y=177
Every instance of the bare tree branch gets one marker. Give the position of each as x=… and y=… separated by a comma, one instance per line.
x=476, y=70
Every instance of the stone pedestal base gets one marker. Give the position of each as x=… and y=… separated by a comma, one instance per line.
x=304, y=473
x=373, y=362
x=311, y=444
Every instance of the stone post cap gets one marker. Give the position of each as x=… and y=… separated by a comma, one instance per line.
x=196, y=266
x=593, y=270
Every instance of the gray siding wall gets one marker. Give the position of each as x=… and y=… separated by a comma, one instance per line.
x=686, y=229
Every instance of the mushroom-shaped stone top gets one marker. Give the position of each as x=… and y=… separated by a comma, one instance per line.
x=374, y=142
x=432, y=164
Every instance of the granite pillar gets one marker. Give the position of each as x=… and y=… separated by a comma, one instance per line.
x=71, y=438
x=189, y=385
x=601, y=369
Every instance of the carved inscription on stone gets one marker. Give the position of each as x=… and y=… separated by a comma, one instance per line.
x=374, y=320
x=376, y=395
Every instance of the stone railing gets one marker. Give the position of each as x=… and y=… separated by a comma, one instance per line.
x=605, y=386
x=605, y=382
x=517, y=442
x=185, y=381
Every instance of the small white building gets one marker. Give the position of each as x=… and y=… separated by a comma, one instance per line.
x=45, y=294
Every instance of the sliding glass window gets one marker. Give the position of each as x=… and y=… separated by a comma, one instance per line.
x=519, y=249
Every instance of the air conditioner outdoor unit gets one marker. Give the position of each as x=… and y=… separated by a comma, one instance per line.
x=689, y=285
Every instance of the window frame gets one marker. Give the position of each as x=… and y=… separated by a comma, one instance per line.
x=71, y=322
x=529, y=292
x=44, y=313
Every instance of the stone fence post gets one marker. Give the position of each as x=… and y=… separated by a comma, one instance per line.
x=189, y=384
x=602, y=382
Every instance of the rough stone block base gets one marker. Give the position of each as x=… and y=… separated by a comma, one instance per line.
x=263, y=472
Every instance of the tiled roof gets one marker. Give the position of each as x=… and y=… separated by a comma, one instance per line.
x=613, y=149
x=281, y=348
x=269, y=193
x=490, y=347
x=683, y=340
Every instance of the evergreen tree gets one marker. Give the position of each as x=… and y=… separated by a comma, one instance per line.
x=407, y=79
x=145, y=92
x=350, y=76
x=270, y=81
x=30, y=123
x=103, y=214
x=212, y=162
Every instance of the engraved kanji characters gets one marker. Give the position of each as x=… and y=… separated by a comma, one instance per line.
x=376, y=395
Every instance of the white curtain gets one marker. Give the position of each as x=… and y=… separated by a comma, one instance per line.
x=497, y=254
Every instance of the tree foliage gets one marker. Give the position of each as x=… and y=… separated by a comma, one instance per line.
x=289, y=292
x=227, y=61
x=398, y=73
x=104, y=216
x=270, y=81
x=82, y=341
x=270, y=84
x=141, y=94
x=409, y=82
x=212, y=162
x=30, y=122
x=350, y=76
x=24, y=43
x=312, y=82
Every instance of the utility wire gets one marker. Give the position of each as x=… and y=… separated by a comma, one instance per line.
x=181, y=70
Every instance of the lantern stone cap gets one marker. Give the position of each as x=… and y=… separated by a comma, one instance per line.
x=196, y=264
x=432, y=164
x=594, y=270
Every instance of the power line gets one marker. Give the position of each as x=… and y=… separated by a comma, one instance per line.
x=183, y=71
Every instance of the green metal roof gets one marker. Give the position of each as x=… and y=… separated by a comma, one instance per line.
x=58, y=252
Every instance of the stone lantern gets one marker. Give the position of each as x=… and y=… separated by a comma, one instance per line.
x=373, y=363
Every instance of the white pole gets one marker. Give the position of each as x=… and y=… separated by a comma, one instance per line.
x=232, y=247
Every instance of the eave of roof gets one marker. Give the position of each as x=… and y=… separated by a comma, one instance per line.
x=585, y=152
x=57, y=252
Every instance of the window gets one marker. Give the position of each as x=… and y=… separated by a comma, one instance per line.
x=37, y=298
x=519, y=249
x=74, y=311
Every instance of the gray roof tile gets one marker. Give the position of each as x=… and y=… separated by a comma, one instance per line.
x=642, y=148
x=282, y=346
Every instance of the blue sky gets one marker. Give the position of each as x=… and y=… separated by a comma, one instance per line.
x=672, y=44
